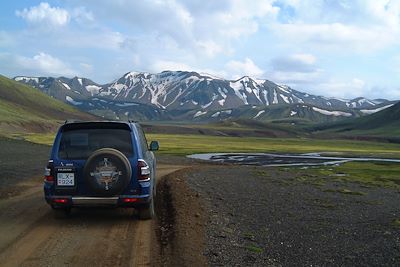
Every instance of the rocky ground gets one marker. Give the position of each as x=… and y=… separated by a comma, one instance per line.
x=215, y=214
x=258, y=216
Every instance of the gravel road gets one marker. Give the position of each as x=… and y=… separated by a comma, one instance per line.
x=30, y=236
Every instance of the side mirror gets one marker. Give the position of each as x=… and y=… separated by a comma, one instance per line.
x=154, y=146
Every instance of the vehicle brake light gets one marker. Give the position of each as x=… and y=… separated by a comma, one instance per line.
x=60, y=200
x=143, y=171
x=129, y=200
x=47, y=175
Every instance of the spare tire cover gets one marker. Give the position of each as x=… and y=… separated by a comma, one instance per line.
x=107, y=172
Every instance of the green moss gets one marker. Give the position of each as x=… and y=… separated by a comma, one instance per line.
x=396, y=223
x=384, y=174
x=249, y=235
x=254, y=249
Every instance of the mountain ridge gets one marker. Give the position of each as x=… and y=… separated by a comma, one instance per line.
x=191, y=93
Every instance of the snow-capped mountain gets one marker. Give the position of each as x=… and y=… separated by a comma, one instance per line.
x=188, y=90
x=193, y=94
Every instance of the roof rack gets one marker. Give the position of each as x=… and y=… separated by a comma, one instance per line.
x=71, y=121
x=75, y=121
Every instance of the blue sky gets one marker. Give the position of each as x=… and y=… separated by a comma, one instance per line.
x=332, y=48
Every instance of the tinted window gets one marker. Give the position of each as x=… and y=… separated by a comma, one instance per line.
x=81, y=143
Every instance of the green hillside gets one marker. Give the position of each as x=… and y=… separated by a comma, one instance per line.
x=24, y=107
x=385, y=123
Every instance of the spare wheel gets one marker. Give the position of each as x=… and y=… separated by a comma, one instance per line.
x=107, y=172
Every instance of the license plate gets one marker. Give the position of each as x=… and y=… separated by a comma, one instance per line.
x=65, y=179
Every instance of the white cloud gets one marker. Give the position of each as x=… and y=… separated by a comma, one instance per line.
x=237, y=69
x=392, y=92
x=295, y=63
x=154, y=35
x=242, y=17
x=304, y=58
x=336, y=36
x=295, y=70
x=82, y=15
x=295, y=79
x=86, y=69
x=384, y=12
x=195, y=26
x=45, y=15
x=346, y=89
x=168, y=18
x=341, y=26
x=45, y=64
x=210, y=48
x=109, y=40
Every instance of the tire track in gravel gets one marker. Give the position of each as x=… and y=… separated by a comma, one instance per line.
x=30, y=236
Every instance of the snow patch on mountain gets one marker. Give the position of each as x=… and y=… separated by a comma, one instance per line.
x=216, y=114
x=66, y=86
x=371, y=111
x=72, y=101
x=259, y=114
x=199, y=113
x=285, y=98
x=332, y=113
x=126, y=104
x=284, y=88
x=238, y=88
x=275, y=101
x=93, y=89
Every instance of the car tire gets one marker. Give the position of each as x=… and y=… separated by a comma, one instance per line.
x=107, y=159
x=147, y=212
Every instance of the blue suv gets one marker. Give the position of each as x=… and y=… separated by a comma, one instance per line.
x=101, y=163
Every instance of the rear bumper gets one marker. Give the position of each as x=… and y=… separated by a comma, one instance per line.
x=89, y=201
x=84, y=201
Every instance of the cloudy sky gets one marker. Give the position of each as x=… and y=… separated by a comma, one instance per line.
x=334, y=48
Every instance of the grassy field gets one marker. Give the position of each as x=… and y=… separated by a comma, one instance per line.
x=24, y=108
x=383, y=174
x=367, y=173
x=189, y=144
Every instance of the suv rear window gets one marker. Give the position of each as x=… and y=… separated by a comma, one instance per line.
x=81, y=143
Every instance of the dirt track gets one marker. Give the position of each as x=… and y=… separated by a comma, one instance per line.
x=30, y=236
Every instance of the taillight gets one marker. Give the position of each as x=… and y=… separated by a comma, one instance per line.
x=60, y=200
x=129, y=200
x=143, y=171
x=49, y=172
x=47, y=175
